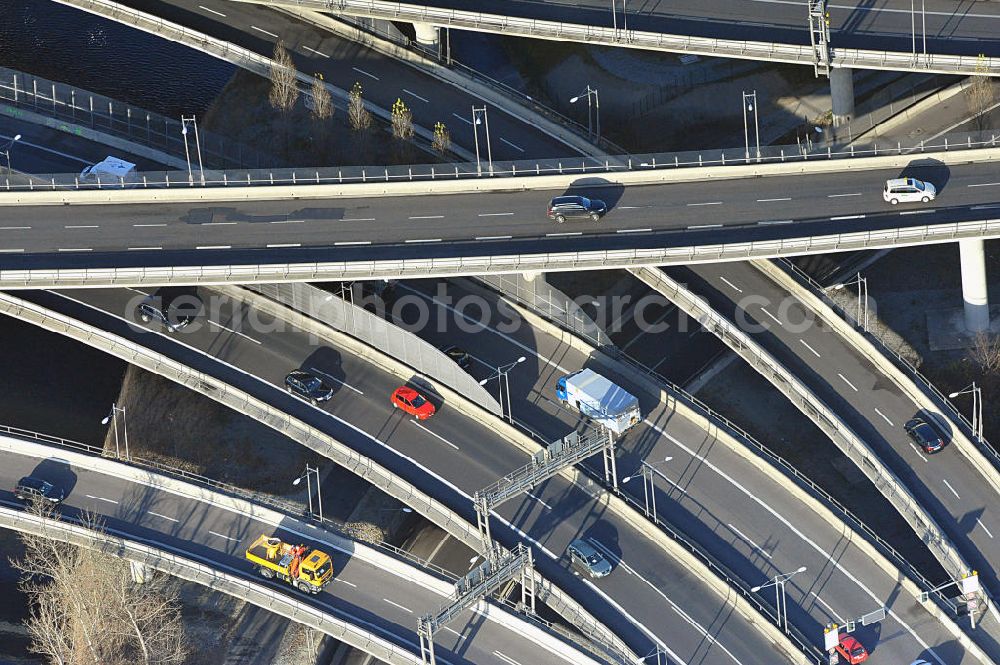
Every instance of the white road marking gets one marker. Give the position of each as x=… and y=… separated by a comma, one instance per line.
x=833, y=612
x=777, y=221
x=917, y=451
x=219, y=223
x=319, y=53
x=425, y=240
x=452, y=630
x=171, y=519
x=288, y=221
x=493, y=237
x=744, y=537
x=350, y=584
x=214, y=247
x=253, y=27
x=139, y=249
x=556, y=235
x=494, y=214
x=100, y=498
x=633, y=231
x=787, y=198
x=76, y=249
x=435, y=434
x=505, y=658
x=843, y=217
x=353, y=242
x=776, y=319
x=986, y=207
x=705, y=226
x=917, y=212
x=14, y=228
x=738, y=289
x=463, y=119
x=361, y=71
x=806, y=344
x=539, y=500
x=847, y=381
x=834, y=196
x=139, y=226
x=413, y=94
x=211, y=11
x=235, y=332
x=884, y=417
x=335, y=379
x=427, y=217
x=82, y=226
x=405, y=609
x=215, y=533
x=979, y=522
x=285, y=244
x=10, y=251
x=516, y=147
x=985, y=184
x=706, y=203
x=358, y=219
x=948, y=485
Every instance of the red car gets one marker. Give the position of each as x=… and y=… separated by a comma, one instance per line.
x=412, y=402
x=851, y=650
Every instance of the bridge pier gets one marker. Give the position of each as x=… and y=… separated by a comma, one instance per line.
x=140, y=572
x=427, y=34
x=532, y=275
x=974, y=292
x=842, y=95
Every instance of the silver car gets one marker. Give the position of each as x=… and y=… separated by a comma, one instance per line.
x=587, y=559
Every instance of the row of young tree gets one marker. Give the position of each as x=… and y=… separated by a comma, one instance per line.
x=284, y=95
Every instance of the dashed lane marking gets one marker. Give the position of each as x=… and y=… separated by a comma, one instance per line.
x=776, y=319
x=235, y=332
x=361, y=71
x=143, y=226
x=426, y=217
x=405, y=609
x=806, y=344
x=271, y=34
x=539, y=500
x=336, y=380
x=425, y=240
x=413, y=94
x=884, y=417
x=465, y=120
x=985, y=184
x=917, y=212
x=847, y=381
x=948, y=485
x=556, y=235
x=705, y=203
x=843, y=217
x=435, y=435
x=747, y=540
x=493, y=237
x=776, y=221
x=76, y=249
x=979, y=522
x=833, y=612
x=141, y=249
x=736, y=288
x=214, y=247
x=634, y=231
x=216, y=533
x=288, y=221
x=505, y=658
x=494, y=214
x=353, y=242
x=284, y=244
x=786, y=198
x=169, y=519
x=515, y=147
x=319, y=53
x=834, y=196
x=100, y=498
x=211, y=11
x=82, y=226
x=14, y=228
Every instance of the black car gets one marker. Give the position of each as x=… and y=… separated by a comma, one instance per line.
x=924, y=435
x=562, y=208
x=174, y=309
x=459, y=355
x=308, y=386
x=30, y=488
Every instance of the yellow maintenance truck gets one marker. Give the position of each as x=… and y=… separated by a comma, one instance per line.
x=306, y=569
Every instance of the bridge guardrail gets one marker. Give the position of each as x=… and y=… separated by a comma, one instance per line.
x=738, y=156
x=744, y=49
x=193, y=571
x=839, y=433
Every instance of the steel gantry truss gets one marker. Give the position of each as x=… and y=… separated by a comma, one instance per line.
x=484, y=580
x=565, y=452
x=819, y=36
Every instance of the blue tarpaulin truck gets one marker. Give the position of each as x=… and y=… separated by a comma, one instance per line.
x=599, y=399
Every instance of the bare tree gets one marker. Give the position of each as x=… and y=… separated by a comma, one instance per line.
x=322, y=110
x=284, y=84
x=86, y=609
x=985, y=352
x=442, y=138
x=402, y=121
x=980, y=94
x=359, y=117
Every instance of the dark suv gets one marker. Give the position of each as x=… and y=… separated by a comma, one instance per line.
x=562, y=208
x=924, y=435
x=30, y=488
x=165, y=306
x=308, y=386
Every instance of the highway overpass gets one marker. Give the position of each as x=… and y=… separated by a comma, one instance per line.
x=375, y=595
x=449, y=448
x=861, y=35
x=370, y=230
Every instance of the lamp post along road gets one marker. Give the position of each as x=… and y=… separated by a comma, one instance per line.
x=977, y=408
x=6, y=149
x=646, y=470
x=197, y=142
x=112, y=417
x=780, y=600
x=750, y=106
x=862, y=284
x=479, y=116
x=310, y=470
x=593, y=108
x=503, y=386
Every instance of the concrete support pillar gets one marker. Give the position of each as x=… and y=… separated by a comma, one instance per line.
x=842, y=95
x=532, y=275
x=427, y=34
x=977, y=305
x=140, y=572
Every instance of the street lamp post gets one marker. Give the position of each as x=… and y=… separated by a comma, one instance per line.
x=862, y=284
x=780, y=601
x=750, y=106
x=977, y=407
x=594, y=106
x=310, y=470
x=503, y=385
x=614, y=17
x=646, y=470
x=659, y=653
x=480, y=117
x=112, y=417
x=197, y=143
x=7, y=147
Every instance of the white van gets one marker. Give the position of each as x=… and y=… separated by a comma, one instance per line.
x=908, y=190
x=110, y=171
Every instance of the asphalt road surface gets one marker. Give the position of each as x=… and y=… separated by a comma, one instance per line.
x=370, y=597
x=667, y=215
x=749, y=522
